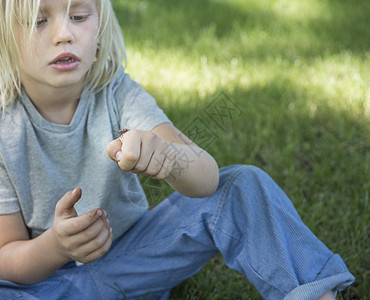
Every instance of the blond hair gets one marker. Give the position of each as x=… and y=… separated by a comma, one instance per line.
x=13, y=13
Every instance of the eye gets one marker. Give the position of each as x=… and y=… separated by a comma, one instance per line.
x=40, y=22
x=78, y=18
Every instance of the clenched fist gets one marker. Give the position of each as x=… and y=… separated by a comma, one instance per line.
x=143, y=152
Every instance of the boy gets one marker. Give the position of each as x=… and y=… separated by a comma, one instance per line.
x=63, y=94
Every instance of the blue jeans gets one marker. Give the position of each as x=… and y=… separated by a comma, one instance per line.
x=249, y=220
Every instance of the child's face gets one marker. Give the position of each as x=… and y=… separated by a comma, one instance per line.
x=63, y=49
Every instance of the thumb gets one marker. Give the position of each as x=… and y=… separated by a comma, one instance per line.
x=113, y=148
x=65, y=206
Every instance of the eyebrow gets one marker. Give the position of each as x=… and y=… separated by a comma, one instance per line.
x=78, y=3
x=73, y=4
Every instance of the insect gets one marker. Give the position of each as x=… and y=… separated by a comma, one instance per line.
x=121, y=132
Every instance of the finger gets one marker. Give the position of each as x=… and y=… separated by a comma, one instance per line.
x=96, y=248
x=130, y=151
x=155, y=165
x=90, y=233
x=166, y=169
x=145, y=159
x=164, y=163
x=80, y=223
x=113, y=148
x=65, y=206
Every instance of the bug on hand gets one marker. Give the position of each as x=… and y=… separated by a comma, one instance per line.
x=123, y=131
x=120, y=132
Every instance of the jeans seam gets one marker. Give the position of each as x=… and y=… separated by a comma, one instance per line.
x=223, y=195
x=220, y=203
x=323, y=267
x=94, y=279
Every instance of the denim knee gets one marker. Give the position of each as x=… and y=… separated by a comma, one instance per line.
x=250, y=186
x=243, y=170
x=244, y=177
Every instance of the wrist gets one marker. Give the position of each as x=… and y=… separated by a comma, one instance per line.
x=60, y=255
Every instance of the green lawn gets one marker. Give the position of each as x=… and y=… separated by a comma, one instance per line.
x=295, y=75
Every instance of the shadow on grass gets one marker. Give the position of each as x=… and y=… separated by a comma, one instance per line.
x=275, y=127
x=179, y=25
x=320, y=156
x=320, y=159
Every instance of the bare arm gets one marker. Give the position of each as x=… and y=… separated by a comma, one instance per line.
x=23, y=260
x=166, y=153
x=27, y=261
x=195, y=173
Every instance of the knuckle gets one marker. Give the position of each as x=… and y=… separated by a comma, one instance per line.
x=151, y=173
x=130, y=156
x=160, y=176
x=96, y=244
x=90, y=233
x=83, y=256
x=130, y=160
x=92, y=215
x=105, y=248
x=99, y=241
x=140, y=167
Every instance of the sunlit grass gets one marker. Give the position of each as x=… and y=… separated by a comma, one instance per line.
x=299, y=71
x=210, y=61
x=340, y=81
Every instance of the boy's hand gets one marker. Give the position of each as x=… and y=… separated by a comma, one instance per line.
x=83, y=238
x=143, y=152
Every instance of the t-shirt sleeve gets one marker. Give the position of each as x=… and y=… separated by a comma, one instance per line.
x=8, y=199
x=137, y=109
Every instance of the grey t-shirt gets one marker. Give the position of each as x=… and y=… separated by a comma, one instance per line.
x=40, y=161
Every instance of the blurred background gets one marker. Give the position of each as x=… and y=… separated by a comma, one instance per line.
x=280, y=84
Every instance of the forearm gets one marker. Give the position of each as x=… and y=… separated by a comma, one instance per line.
x=165, y=153
x=195, y=173
x=30, y=261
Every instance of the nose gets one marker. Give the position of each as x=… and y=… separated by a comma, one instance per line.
x=62, y=32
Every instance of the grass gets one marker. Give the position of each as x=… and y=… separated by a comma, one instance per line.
x=297, y=75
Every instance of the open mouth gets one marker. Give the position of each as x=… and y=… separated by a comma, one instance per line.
x=66, y=60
